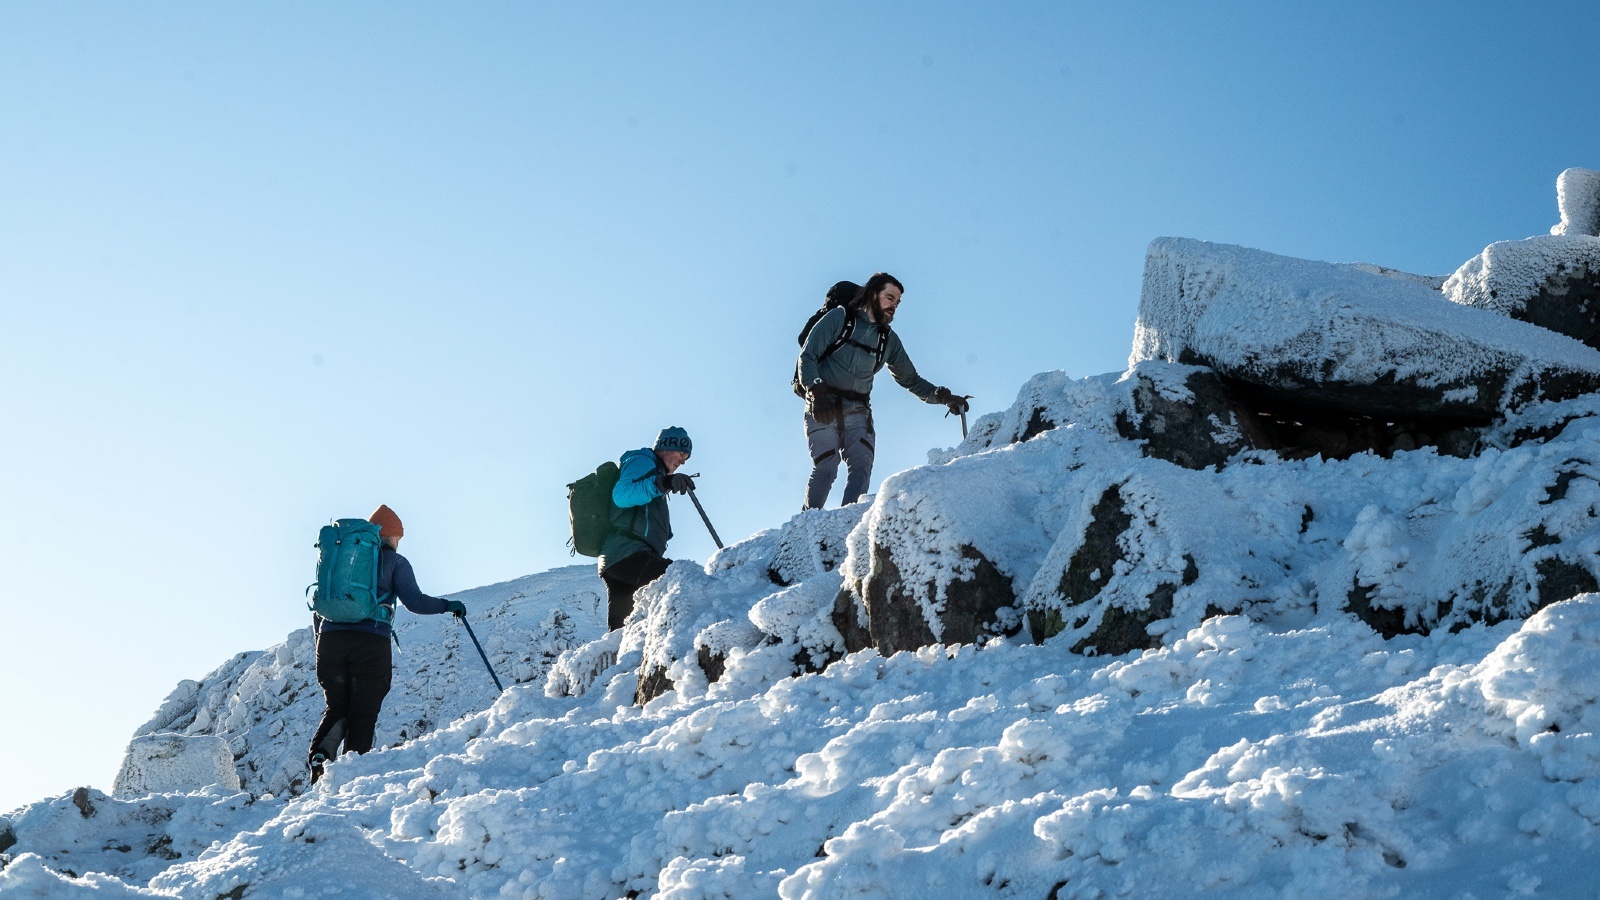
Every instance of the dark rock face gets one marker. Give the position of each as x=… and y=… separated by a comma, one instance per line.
x=1568, y=302
x=1296, y=429
x=1124, y=630
x=1561, y=579
x=1090, y=568
x=8, y=837
x=1196, y=432
x=971, y=611
x=849, y=617
x=713, y=664
x=1121, y=628
x=652, y=684
x=1385, y=621
x=1038, y=424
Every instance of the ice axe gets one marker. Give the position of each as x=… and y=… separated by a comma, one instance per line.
x=962, y=414
x=481, y=655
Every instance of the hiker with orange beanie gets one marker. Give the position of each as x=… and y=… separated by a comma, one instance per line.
x=353, y=660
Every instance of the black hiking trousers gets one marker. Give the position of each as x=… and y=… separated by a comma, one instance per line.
x=354, y=668
x=624, y=577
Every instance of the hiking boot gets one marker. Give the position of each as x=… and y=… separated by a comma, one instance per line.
x=318, y=760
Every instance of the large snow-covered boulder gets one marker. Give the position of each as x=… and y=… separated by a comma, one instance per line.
x=1549, y=281
x=175, y=763
x=1343, y=337
x=686, y=624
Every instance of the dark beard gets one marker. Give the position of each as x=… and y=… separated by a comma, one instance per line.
x=885, y=316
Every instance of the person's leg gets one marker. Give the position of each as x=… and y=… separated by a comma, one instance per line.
x=334, y=676
x=624, y=578
x=619, y=601
x=371, y=669
x=858, y=449
x=822, y=440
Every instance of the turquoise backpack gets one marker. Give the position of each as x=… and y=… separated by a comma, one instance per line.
x=347, y=573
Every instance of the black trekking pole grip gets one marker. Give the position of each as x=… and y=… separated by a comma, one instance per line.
x=481, y=655
x=704, y=518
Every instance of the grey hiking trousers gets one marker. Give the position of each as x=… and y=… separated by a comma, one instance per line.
x=851, y=439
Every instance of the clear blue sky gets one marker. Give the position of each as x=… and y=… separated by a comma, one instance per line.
x=263, y=265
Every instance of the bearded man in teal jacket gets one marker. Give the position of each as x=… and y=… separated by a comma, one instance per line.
x=634, y=553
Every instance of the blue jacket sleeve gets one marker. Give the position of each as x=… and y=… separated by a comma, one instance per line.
x=405, y=587
x=636, y=485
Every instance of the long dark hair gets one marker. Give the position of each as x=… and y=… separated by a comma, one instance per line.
x=870, y=290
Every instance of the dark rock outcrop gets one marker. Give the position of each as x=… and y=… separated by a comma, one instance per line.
x=712, y=663
x=1122, y=627
x=652, y=684
x=972, y=607
x=850, y=618
x=1197, y=425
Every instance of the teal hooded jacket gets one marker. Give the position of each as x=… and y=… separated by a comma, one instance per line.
x=641, y=520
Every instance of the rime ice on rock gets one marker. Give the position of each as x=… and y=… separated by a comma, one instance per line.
x=1549, y=281
x=175, y=763
x=1339, y=336
x=1578, y=195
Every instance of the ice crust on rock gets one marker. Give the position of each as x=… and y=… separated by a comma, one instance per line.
x=165, y=763
x=1507, y=274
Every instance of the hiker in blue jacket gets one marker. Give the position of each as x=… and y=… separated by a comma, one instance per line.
x=353, y=661
x=634, y=554
x=844, y=351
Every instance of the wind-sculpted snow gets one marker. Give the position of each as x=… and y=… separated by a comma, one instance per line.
x=1240, y=759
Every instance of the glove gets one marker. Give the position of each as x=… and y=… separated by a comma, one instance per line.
x=677, y=483
x=822, y=403
x=957, y=404
x=456, y=608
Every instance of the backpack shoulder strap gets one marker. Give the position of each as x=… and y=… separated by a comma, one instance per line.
x=843, y=338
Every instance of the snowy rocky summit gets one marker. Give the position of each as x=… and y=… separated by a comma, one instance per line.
x=1304, y=603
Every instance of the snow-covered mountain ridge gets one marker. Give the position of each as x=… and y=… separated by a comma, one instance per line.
x=1192, y=627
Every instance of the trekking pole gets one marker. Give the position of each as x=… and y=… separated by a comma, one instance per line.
x=481, y=654
x=963, y=426
x=705, y=519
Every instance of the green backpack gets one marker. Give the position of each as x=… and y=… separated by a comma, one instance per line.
x=347, y=573
x=589, y=509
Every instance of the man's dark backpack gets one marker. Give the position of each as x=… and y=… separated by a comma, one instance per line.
x=838, y=295
x=589, y=508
